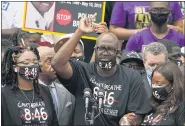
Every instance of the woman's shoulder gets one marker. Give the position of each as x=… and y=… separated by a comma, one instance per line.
x=5, y=88
x=181, y=107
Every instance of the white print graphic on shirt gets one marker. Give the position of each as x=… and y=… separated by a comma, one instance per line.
x=142, y=17
x=33, y=112
x=109, y=98
x=106, y=86
x=109, y=111
x=153, y=120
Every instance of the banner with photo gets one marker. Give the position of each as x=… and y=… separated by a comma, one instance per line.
x=61, y=17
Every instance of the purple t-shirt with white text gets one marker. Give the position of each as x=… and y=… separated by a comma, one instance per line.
x=134, y=15
x=145, y=37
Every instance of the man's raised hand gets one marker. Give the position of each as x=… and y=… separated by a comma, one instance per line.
x=87, y=25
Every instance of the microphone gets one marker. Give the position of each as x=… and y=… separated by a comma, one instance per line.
x=100, y=97
x=87, y=96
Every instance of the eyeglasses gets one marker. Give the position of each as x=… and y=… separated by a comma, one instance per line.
x=27, y=62
x=102, y=49
x=159, y=10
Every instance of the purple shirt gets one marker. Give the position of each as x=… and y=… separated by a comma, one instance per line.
x=134, y=15
x=145, y=37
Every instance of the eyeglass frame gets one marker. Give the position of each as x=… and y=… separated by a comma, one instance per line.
x=105, y=49
x=36, y=62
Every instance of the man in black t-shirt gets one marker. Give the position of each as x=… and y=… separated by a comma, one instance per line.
x=123, y=87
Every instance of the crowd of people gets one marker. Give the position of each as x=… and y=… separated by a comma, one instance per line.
x=134, y=75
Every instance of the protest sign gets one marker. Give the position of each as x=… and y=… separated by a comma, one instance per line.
x=62, y=17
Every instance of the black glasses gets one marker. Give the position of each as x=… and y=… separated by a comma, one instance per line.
x=159, y=10
x=102, y=49
x=27, y=62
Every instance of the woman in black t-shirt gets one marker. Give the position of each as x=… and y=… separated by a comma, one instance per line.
x=168, y=96
x=24, y=101
x=167, y=99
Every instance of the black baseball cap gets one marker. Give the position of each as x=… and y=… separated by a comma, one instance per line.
x=171, y=46
x=131, y=56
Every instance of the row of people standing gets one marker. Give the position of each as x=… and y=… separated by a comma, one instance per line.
x=141, y=23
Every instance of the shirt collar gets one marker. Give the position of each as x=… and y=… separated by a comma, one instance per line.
x=39, y=21
x=52, y=85
x=33, y=9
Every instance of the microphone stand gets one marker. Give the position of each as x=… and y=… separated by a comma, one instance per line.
x=92, y=115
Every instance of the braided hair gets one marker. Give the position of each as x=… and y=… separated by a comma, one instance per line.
x=9, y=76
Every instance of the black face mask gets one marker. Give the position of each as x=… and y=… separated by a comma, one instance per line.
x=105, y=65
x=161, y=92
x=29, y=72
x=159, y=18
x=80, y=58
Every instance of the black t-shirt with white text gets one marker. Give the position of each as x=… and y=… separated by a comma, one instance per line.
x=124, y=93
x=32, y=114
x=176, y=118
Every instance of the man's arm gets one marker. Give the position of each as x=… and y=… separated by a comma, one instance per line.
x=122, y=33
x=60, y=62
x=177, y=15
x=138, y=100
x=118, y=22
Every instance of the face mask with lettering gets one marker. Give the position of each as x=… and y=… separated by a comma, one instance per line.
x=161, y=92
x=29, y=72
x=105, y=65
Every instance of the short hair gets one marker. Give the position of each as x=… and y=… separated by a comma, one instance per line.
x=155, y=48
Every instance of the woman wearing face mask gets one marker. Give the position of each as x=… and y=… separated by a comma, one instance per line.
x=168, y=96
x=24, y=101
x=167, y=99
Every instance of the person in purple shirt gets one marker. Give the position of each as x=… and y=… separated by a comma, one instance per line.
x=129, y=18
x=159, y=14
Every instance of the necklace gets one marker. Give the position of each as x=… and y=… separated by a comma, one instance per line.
x=27, y=97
